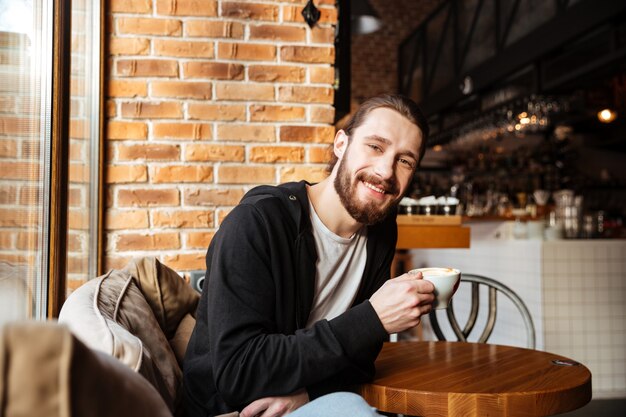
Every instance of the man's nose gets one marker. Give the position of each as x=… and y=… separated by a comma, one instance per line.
x=384, y=167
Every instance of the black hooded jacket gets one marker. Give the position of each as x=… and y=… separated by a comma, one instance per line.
x=249, y=341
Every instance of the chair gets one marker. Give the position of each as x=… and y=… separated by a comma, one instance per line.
x=493, y=287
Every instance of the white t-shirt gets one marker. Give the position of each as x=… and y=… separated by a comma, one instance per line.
x=340, y=266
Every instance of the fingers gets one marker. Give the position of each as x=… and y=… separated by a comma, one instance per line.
x=255, y=408
x=409, y=276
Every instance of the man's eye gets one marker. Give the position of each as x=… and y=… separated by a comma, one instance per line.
x=406, y=162
x=375, y=147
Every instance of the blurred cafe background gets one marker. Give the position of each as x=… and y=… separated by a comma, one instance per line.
x=131, y=128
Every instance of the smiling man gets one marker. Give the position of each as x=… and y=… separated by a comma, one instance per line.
x=298, y=298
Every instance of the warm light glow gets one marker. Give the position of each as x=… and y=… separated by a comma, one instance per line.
x=518, y=127
x=524, y=120
x=437, y=148
x=607, y=115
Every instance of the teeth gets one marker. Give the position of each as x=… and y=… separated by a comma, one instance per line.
x=378, y=190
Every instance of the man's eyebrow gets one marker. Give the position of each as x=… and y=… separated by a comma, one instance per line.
x=389, y=142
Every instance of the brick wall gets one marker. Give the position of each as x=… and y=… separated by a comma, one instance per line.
x=20, y=182
x=206, y=99
x=375, y=56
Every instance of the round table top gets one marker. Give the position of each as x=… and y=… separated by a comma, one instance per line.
x=475, y=379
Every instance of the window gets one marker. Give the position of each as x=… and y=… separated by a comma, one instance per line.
x=48, y=163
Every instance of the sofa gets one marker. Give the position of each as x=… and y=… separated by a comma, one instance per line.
x=116, y=349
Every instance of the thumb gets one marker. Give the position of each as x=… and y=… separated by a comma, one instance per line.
x=410, y=276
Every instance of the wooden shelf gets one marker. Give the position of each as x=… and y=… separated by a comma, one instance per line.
x=429, y=237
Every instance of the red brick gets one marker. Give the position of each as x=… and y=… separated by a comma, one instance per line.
x=129, y=46
x=322, y=75
x=308, y=54
x=267, y=113
x=294, y=14
x=126, y=88
x=76, y=195
x=311, y=134
x=182, y=218
x=323, y=35
x=126, y=130
x=273, y=154
x=29, y=196
x=148, y=152
x=278, y=33
x=247, y=132
x=151, y=110
x=253, y=11
x=21, y=217
x=27, y=241
x=8, y=149
x=213, y=197
x=214, y=153
x=194, y=131
x=181, y=173
x=245, y=92
x=187, y=7
x=18, y=126
x=135, y=241
x=181, y=89
x=126, y=174
x=130, y=6
x=147, y=68
x=276, y=73
x=78, y=172
x=149, y=26
x=321, y=114
x=193, y=49
x=221, y=112
x=126, y=219
x=116, y=262
x=301, y=94
x=78, y=219
x=243, y=174
x=320, y=154
x=186, y=262
x=7, y=240
x=110, y=109
x=213, y=29
x=19, y=170
x=213, y=70
x=308, y=173
x=8, y=195
x=152, y=197
x=198, y=240
x=246, y=51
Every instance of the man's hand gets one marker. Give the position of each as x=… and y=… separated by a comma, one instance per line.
x=275, y=406
x=401, y=301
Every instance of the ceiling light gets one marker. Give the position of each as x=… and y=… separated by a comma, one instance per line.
x=607, y=115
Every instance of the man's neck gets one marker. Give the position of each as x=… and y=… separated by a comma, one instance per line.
x=330, y=210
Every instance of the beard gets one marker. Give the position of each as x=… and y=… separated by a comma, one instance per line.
x=370, y=212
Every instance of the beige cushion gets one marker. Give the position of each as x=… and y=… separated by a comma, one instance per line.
x=45, y=371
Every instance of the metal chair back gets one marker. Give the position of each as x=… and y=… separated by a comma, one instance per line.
x=493, y=288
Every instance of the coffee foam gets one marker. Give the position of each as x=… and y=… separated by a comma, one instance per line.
x=438, y=271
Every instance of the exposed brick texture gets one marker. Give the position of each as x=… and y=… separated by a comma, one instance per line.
x=205, y=100
x=375, y=56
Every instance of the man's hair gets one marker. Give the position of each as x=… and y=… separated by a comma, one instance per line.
x=403, y=105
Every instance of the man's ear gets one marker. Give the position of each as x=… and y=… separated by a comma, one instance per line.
x=340, y=143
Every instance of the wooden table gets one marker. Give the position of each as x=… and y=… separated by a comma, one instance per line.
x=435, y=379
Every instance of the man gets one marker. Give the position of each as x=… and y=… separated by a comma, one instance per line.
x=297, y=299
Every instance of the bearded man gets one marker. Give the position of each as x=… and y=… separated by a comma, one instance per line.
x=298, y=299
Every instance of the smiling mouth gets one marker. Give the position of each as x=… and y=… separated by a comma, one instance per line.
x=374, y=188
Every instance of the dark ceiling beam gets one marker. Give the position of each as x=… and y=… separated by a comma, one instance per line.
x=574, y=22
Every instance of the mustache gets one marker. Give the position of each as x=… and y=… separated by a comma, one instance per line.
x=390, y=186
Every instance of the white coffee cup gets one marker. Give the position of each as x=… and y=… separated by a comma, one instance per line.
x=445, y=280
